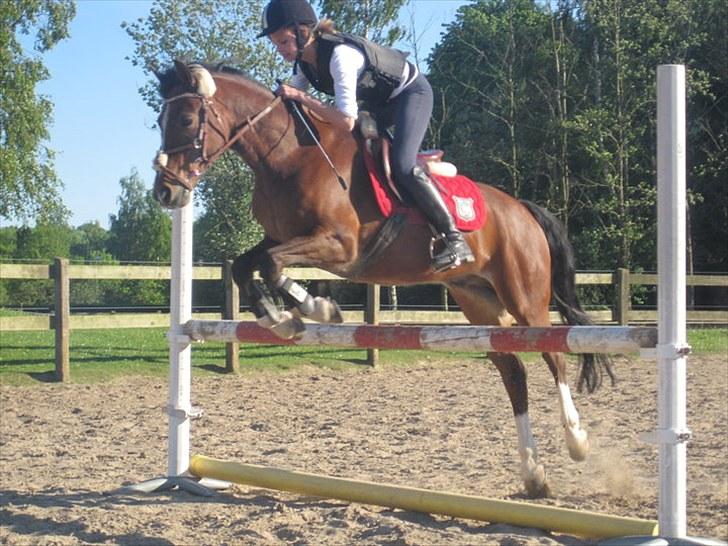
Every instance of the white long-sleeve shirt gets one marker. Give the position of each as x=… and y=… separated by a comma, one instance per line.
x=346, y=65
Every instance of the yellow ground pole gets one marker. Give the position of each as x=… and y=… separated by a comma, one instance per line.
x=560, y=520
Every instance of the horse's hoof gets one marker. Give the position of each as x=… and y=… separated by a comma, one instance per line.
x=289, y=327
x=538, y=489
x=577, y=441
x=325, y=311
x=335, y=312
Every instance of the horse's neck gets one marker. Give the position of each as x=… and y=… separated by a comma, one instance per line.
x=264, y=147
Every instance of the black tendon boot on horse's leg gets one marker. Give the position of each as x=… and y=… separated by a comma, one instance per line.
x=267, y=315
x=430, y=202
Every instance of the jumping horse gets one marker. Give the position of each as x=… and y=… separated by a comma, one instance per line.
x=311, y=218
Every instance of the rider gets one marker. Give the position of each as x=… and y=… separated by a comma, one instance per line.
x=352, y=68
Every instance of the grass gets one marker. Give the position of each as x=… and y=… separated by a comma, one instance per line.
x=101, y=355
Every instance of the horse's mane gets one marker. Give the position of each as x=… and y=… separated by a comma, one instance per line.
x=169, y=79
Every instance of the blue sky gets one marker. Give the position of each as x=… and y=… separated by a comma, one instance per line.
x=102, y=129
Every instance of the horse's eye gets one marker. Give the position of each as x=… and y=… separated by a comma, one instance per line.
x=187, y=121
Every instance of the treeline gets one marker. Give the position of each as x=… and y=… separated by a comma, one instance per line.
x=140, y=232
x=555, y=102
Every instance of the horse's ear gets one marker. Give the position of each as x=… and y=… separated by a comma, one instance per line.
x=184, y=73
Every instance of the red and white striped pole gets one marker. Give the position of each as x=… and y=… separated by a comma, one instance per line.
x=562, y=339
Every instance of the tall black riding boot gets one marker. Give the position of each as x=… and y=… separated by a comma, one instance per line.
x=456, y=250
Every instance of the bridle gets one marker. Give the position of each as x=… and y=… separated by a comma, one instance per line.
x=199, y=143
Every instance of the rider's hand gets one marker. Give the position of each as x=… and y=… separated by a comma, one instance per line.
x=288, y=92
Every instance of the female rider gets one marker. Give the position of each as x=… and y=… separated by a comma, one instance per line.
x=353, y=69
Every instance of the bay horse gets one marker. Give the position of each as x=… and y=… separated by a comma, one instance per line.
x=319, y=216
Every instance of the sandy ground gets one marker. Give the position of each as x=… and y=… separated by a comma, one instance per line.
x=65, y=449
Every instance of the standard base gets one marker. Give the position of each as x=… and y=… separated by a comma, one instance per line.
x=203, y=487
x=661, y=541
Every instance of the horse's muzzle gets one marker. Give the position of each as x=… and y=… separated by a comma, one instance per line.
x=170, y=195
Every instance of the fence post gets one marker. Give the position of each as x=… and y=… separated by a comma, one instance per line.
x=623, y=301
x=231, y=312
x=62, y=316
x=443, y=298
x=371, y=316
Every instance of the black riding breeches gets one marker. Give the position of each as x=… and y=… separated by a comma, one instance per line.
x=409, y=113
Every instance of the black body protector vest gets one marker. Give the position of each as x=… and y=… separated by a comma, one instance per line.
x=382, y=73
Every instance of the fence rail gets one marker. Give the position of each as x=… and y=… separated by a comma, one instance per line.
x=62, y=321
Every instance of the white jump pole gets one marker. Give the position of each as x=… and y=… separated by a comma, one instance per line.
x=179, y=407
x=672, y=432
x=180, y=352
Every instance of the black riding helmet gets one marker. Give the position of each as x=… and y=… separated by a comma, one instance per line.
x=284, y=13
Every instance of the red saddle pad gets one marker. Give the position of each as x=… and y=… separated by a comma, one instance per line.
x=461, y=195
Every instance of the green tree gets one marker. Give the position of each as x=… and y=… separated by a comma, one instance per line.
x=43, y=242
x=227, y=225
x=28, y=183
x=141, y=231
x=213, y=31
x=708, y=137
x=488, y=106
x=90, y=242
x=372, y=19
x=616, y=127
x=8, y=242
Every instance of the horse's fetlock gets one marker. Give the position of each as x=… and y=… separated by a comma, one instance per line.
x=297, y=293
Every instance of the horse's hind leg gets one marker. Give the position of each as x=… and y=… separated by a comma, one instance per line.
x=528, y=312
x=481, y=306
x=577, y=440
x=513, y=373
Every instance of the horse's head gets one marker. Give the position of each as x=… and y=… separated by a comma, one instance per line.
x=187, y=138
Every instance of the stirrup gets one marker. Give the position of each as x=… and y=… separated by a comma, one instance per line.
x=448, y=257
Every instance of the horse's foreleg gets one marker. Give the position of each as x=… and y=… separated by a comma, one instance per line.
x=267, y=315
x=305, y=305
x=513, y=374
x=318, y=250
x=577, y=440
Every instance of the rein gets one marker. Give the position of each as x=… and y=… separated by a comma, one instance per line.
x=199, y=143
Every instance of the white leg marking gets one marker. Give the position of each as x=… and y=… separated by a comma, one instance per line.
x=576, y=437
x=533, y=474
x=325, y=311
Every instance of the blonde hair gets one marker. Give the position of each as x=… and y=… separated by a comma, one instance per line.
x=325, y=26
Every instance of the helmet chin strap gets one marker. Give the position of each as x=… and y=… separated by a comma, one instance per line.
x=299, y=45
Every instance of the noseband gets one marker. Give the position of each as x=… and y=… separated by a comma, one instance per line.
x=200, y=141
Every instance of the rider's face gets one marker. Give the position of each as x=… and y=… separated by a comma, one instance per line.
x=284, y=40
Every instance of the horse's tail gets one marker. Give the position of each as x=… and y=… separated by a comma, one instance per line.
x=563, y=287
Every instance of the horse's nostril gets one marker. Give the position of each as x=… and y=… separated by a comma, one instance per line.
x=164, y=195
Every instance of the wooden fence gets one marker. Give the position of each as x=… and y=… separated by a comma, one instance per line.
x=62, y=321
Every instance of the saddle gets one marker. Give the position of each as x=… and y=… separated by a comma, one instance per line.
x=462, y=196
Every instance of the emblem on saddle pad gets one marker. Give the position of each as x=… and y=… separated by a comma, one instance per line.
x=464, y=208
